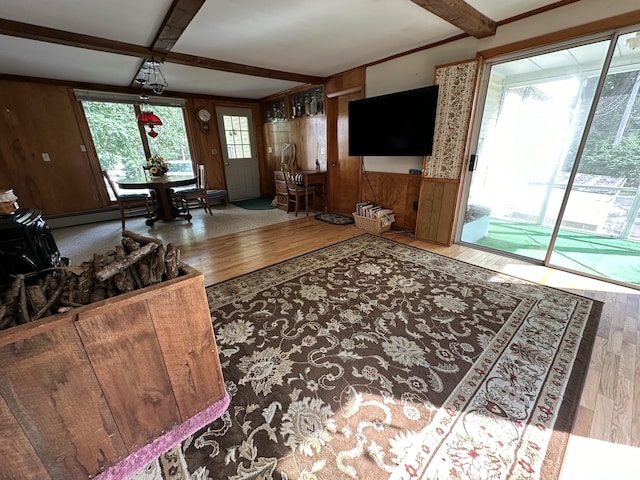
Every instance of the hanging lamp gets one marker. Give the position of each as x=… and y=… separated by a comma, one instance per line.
x=149, y=119
x=150, y=75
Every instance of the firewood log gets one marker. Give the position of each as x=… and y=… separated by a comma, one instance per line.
x=140, y=239
x=23, y=311
x=138, y=262
x=171, y=261
x=123, y=280
x=129, y=244
x=157, y=266
x=35, y=297
x=97, y=294
x=85, y=283
x=11, y=299
x=111, y=269
x=61, y=284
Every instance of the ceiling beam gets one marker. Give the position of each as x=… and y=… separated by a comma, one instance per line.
x=462, y=15
x=221, y=65
x=60, y=37
x=178, y=18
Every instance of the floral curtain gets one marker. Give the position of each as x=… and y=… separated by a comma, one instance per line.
x=455, y=101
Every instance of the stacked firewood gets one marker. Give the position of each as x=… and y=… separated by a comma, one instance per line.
x=137, y=263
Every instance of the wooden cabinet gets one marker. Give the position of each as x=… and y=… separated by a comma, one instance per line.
x=304, y=126
x=281, y=190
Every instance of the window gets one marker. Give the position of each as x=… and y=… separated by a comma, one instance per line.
x=118, y=140
x=236, y=131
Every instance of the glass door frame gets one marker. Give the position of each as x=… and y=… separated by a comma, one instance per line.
x=612, y=36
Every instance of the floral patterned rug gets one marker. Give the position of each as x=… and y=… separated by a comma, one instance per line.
x=371, y=359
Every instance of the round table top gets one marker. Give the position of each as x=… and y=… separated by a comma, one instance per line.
x=157, y=182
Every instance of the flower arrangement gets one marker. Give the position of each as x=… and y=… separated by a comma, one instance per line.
x=157, y=166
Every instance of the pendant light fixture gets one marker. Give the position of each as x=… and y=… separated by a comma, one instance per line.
x=150, y=75
x=149, y=119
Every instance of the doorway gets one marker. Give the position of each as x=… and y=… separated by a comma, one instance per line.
x=239, y=152
x=557, y=178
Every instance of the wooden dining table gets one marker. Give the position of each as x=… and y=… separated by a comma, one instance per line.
x=160, y=187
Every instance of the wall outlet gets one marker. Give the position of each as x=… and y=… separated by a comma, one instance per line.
x=45, y=157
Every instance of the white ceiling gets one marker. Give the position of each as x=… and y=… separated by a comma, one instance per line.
x=308, y=37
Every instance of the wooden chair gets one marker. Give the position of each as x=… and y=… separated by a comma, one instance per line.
x=129, y=200
x=199, y=193
x=297, y=193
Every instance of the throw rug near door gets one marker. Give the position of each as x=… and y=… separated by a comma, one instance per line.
x=371, y=359
x=335, y=218
x=261, y=203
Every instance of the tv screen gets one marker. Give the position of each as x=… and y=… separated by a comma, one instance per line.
x=397, y=124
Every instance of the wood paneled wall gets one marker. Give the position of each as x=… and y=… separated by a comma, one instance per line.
x=397, y=191
x=438, y=210
x=37, y=118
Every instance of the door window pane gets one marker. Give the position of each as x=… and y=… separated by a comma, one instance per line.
x=236, y=131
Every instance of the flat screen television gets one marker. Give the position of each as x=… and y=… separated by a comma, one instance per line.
x=396, y=124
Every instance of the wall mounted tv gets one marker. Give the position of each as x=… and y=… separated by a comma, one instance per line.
x=397, y=124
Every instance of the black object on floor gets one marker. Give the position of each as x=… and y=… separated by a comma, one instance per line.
x=334, y=218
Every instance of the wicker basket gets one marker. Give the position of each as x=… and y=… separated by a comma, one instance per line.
x=373, y=225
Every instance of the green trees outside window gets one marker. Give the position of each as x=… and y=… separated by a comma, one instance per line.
x=119, y=144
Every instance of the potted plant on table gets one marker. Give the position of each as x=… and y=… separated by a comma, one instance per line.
x=157, y=166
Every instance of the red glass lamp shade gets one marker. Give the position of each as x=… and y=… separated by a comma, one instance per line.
x=150, y=120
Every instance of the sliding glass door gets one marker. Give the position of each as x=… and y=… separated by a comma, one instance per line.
x=600, y=229
x=556, y=178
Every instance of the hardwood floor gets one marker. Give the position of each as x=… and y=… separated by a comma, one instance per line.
x=608, y=420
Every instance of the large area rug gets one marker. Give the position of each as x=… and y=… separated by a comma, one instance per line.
x=371, y=359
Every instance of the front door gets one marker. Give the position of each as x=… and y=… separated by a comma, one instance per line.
x=239, y=152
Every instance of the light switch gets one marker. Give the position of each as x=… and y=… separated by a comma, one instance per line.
x=270, y=149
x=45, y=157
x=323, y=151
x=83, y=148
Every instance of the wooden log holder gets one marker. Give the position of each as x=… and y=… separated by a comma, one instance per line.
x=83, y=389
